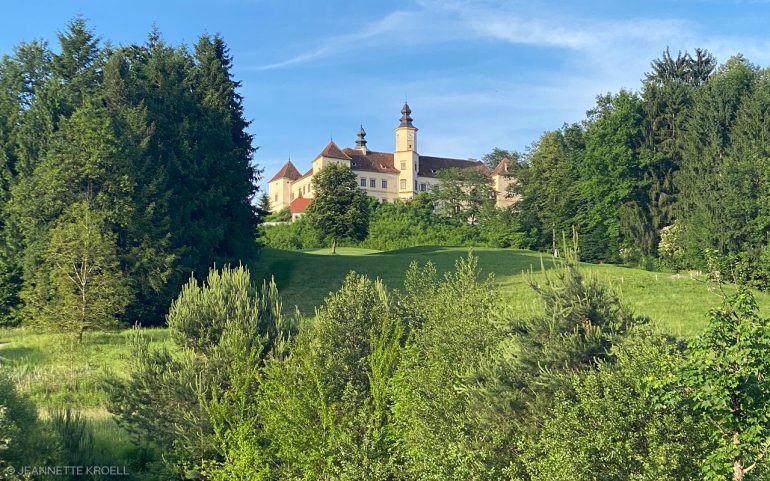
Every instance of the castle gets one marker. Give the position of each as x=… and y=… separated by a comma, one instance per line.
x=402, y=174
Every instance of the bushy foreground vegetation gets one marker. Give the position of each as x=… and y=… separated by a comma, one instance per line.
x=435, y=380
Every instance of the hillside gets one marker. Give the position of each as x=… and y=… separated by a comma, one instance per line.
x=678, y=304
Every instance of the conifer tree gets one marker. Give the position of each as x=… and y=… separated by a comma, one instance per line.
x=703, y=182
x=87, y=289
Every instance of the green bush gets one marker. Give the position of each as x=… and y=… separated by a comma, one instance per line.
x=185, y=401
x=24, y=440
x=297, y=235
x=400, y=225
x=283, y=215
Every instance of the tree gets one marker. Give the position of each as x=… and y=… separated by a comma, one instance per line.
x=710, y=204
x=462, y=193
x=339, y=209
x=263, y=205
x=195, y=400
x=451, y=407
x=325, y=409
x=609, y=423
x=610, y=173
x=550, y=201
x=493, y=159
x=727, y=378
x=667, y=97
x=87, y=288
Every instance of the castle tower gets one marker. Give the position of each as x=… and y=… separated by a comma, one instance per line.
x=405, y=157
x=361, y=140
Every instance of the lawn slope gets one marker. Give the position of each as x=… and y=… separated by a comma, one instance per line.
x=678, y=303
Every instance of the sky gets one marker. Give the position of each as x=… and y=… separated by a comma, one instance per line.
x=477, y=74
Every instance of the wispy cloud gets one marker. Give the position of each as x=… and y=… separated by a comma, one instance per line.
x=340, y=44
x=435, y=22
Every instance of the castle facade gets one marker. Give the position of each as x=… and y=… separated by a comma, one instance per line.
x=387, y=176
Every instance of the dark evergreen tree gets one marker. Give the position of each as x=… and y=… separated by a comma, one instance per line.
x=709, y=202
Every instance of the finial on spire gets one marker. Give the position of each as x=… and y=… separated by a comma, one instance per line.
x=361, y=139
x=406, y=120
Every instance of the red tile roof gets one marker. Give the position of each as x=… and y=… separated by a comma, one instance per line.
x=333, y=152
x=382, y=162
x=299, y=205
x=371, y=161
x=502, y=167
x=288, y=171
x=429, y=166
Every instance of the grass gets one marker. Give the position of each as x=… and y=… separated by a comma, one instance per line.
x=55, y=371
x=678, y=304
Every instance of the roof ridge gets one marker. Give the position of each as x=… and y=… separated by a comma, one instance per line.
x=333, y=151
x=287, y=171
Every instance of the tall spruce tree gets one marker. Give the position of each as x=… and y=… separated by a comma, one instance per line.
x=703, y=182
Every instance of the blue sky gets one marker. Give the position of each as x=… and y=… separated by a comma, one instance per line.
x=478, y=74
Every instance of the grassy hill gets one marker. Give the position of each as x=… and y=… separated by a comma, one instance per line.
x=678, y=303
x=46, y=367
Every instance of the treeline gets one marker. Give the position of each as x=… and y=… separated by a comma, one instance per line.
x=435, y=381
x=122, y=171
x=399, y=225
x=675, y=174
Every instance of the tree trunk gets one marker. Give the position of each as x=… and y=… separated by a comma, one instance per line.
x=334, y=246
x=737, y=461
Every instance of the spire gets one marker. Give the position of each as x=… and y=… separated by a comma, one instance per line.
x=361, y=139
x=406, y=120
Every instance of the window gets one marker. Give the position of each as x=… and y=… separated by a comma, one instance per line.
x=384, y=184
x=363, y=181
x=403, y=165
x=415, y=186
x=276, y=197
x=423, y=187
x=415, y=166
x=403, y=184
x=372, y=183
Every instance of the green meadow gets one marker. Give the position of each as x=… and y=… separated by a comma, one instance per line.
x=676, y=303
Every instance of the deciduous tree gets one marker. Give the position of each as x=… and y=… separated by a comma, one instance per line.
x=339, y=208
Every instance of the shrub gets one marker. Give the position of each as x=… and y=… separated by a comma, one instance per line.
x=186, y=401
